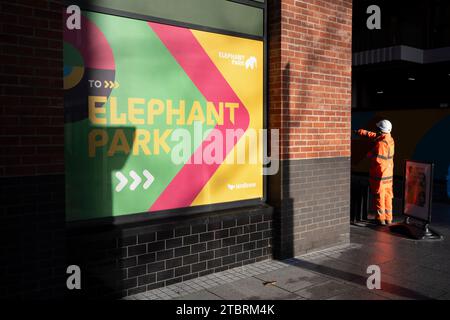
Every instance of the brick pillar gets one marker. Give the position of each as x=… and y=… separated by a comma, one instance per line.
x=310, y=101
x=32, y=149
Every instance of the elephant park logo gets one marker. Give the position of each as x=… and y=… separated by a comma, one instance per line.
x=249, y=63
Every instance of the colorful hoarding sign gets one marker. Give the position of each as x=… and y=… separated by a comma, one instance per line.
x=418, y=186
x=155, y=116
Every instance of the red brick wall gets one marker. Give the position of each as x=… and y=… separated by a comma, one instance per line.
x=31, y=108
x=310, y=102
x=310, y=77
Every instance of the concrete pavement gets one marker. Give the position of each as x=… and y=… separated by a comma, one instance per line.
x=409, y=270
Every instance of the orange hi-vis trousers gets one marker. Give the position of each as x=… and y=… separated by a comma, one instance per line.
x=381, y=173
x=382, y=201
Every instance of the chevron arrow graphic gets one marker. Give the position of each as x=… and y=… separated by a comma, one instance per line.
x=110, y=84
x=122, y=181
x=136, y=180
x=150, y=179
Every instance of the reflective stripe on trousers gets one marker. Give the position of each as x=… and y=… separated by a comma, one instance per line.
x=382, y=202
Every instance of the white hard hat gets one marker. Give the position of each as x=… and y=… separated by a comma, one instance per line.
x=385, y=126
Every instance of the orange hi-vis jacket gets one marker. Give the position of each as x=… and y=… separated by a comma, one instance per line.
x=381, y=157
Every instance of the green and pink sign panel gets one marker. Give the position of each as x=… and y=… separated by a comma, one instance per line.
x=144, y=103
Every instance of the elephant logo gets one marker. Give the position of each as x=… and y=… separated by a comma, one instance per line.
x=251, y=63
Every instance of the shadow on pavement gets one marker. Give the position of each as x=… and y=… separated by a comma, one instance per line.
x=357, y=279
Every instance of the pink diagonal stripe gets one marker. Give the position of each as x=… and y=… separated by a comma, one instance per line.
x=191, y=56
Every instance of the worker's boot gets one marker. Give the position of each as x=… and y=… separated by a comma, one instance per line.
x=388, y=222
x=382, y=222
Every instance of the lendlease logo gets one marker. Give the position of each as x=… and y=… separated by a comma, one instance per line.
x=240, y=60
x=242, y=186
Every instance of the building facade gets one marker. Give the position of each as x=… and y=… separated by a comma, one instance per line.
x=54, y=214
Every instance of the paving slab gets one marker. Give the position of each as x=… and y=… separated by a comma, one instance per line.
x=445, y=297
x=429, y=277
x=325, y=290
x=358, y=294
x=413, y=271
x=397, y=267
x=200, y=295
x=251, y=289
x=398, y=288
x=437, y=262
x=292, y=278
x=336, y=269
x=364, y=258
x=360, y=235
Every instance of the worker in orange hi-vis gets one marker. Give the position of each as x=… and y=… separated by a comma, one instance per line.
x=381, y=170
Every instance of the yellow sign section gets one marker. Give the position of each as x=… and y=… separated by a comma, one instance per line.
x=241, y=63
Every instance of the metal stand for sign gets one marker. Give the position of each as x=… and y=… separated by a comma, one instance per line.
x=416, y=228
